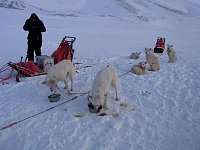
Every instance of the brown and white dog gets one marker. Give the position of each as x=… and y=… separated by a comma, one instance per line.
x=139, y=69
x=152, y=59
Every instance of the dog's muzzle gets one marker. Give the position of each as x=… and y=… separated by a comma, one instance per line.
x=52, y=88
x=92, y=110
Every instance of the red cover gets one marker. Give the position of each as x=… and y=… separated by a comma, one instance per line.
x=63, y=52
x=160, y=43
x=28, y=68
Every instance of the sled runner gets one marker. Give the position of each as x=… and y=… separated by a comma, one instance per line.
x=65, y=50
x=160, y=45
x=6, y=67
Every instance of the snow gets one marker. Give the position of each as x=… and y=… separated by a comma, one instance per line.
x=173, y=4
x=163, y=111
x=60, y=5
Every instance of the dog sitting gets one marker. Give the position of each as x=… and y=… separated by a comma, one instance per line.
x=60, y=72
x=152, y=60
x=135, y=55
x=171, y=54
x=102, y=82
x=139, y=69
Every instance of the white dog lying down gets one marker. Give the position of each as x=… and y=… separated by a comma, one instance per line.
x=105, y=78
x=139, y=69
x=152, y=60
x=135, y=55
x=171, y=54
x=60, y=72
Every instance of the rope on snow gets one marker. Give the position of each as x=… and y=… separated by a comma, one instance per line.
x=14, y=123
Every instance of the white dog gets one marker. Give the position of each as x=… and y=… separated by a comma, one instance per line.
x=152, y=59
x=171, y=54
x=139, y=69
x=60, y=72
x=135, y=55
x=105, y=78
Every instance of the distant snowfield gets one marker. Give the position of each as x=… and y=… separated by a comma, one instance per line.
x=163, y=110
x=176, y=4
x=61, y=5
x=197, y=2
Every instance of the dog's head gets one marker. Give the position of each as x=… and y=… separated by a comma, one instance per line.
x=148, y=50
x=51, y=82
x=95, y=102
x=92, y=109
x=169, y=47
x=143, y=64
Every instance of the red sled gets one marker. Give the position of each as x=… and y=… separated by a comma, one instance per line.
x=65, y=50
x=160, y=45
x=28, y=68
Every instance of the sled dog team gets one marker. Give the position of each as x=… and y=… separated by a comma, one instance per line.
x=151, y=60
x=105, y=78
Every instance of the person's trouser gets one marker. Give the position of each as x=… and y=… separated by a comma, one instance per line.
x=33, y=46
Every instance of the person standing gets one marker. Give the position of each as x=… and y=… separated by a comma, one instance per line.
x=35, y=27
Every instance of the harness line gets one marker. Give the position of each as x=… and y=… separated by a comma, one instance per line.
x=14, y=123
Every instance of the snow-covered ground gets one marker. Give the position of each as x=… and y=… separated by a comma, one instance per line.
x=163, y=110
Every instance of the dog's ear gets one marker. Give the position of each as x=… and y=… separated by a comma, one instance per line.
x=145, y=50
x=44, y=82
x=89, y=97
x=100, y=107
x=90, y=105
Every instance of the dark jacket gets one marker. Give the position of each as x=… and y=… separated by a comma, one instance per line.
x=35, y=26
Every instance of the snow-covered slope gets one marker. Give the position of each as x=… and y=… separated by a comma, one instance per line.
x=143, y=8
x=163, y=110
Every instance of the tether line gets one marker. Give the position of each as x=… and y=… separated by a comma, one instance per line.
x=14, y=123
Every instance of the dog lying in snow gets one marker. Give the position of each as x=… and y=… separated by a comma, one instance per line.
x=102, y=82
x=171, y=54
x=60, y=72
x=139, y=69
x=135, y=55
x=152, y=59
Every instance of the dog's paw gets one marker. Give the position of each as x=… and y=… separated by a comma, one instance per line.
x=69, y=93
x=117, y=99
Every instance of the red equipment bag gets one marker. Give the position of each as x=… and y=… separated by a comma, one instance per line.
x=160, y=45
x=65, y=50
x=26, y=68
